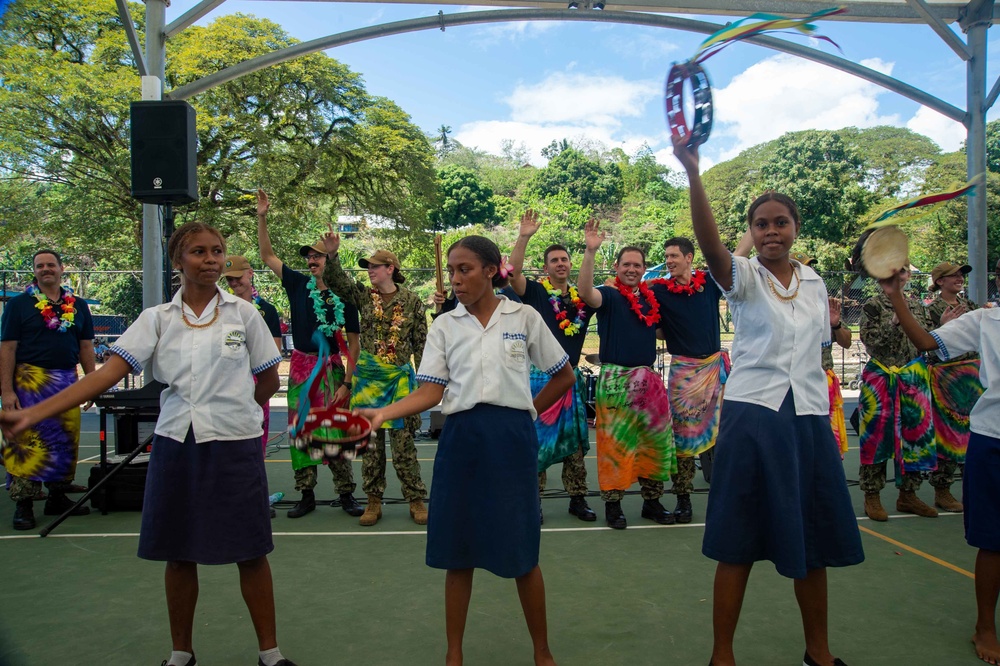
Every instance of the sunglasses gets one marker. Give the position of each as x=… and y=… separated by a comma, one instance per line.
x=312, y=256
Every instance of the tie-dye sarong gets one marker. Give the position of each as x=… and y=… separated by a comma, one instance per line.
x=955, y=388
x=837, y=421
x=298, y=372
x=634, y=434
x=562, y=428
x=896, y=422
x=379, y=384
x=48, y=450
x=695, y=400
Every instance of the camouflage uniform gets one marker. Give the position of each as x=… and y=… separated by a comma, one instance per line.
x=886, y=343
x=343, y=478
x=412, y=336
x=574, y=475
x=649, y=489
x=944, y=475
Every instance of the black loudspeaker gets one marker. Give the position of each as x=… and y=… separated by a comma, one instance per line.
x=164, y=152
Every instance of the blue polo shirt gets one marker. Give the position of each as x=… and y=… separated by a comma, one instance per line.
x=304, y=320
x=625, y=340
x=690, y=323
x=39, y=345
x=536, y=296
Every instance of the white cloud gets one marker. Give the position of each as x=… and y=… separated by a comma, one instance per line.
x=580, y=98
x=647, y=48
x=566, y=105
x=785, y=94
x=945, y=132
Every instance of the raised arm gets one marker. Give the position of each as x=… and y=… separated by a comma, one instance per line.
x=334, y=275
x=841, y=333
x=720, y=261
x=593, y=237
x=745, y=246
x=921, y=339
x=263, y=237
x=529, y=225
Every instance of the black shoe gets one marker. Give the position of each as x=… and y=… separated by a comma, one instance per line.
x=808, y=661
x=682, y=512
x=190, y=662
x=58, y=503
x=24, y=515
x=613, y=515
x=281, y=662
x=655, y=511
x=350, y=505
x=579, y=508
x=305, y=505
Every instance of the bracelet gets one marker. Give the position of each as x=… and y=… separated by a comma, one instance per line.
x=837, y=327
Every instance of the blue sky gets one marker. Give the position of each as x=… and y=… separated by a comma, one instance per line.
x=590, y=82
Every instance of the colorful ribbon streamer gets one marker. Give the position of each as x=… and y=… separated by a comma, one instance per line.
x=767, y=23
x=927, y=200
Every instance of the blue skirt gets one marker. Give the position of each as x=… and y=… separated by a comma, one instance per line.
x=779, y=492
x=205, y=502
x=981, y=492
x=484, y=496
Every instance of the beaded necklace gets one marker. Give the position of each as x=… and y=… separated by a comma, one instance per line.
x=793, y=295
x=569, y=328
x=55, y=322
x=386, y=348
x=654, y=306
x=319, y=308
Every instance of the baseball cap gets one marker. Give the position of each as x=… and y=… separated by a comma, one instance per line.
x=947, y=268
x=306, y=250
x=803, y=258
x=235, y=266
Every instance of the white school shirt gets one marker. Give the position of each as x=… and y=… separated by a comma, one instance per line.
x=207, y=370
x=777, y=343
x=977, y=331
x=490, y=364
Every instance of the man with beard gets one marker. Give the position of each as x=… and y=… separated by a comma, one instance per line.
x=689, y=310
x=562, y=429
x=313, y=307
x=46, y=332
x=634, y=435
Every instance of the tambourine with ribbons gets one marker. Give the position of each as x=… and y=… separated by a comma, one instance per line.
x=692, y=74
x=883, y=248
x=314, y=420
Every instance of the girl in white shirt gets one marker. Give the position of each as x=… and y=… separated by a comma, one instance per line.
x=206, y=489
x=778, y=488
x=484, y=510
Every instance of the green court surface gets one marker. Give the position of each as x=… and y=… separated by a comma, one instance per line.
x=363, y=596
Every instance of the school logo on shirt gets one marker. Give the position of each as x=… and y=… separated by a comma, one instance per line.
x=516, y=350
x=236, y=339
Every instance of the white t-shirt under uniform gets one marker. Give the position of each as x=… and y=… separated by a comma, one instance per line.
x=977, y=331
x=778, y=343
x=490, y=364
x=207, y=370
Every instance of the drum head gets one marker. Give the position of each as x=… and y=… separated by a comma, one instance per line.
x=884, y=252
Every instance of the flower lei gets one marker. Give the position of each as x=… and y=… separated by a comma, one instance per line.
x=319, y=309
x=53, y=321
x=387, y=348
x=654, y=307
x=697, y=283
x=569, y=328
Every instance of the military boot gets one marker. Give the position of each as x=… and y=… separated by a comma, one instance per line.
x=908, y=502
x=578, y=507
x=305, y=505
x=944, y=500
x=656, y=512
x=372, y=512
x=58, y=503
x=683, y=512
x=418, y=511
x=873, y=507
x=24, y=515
x=614, y=516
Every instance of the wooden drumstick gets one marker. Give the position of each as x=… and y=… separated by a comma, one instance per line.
x=437, y=263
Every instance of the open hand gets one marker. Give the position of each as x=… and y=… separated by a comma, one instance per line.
x=834, y=311
x=331, y=240
x=952, y=312
x=263, y=203
x=593, y=236
x=529, y=223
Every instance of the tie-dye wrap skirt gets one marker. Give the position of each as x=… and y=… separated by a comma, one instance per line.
x=298, y=372
x=896, y=421
x=695, y=388
x=955, y=388
x=378, y=384
x=48, y=450
x=837, y=421
x=562, y=428
x=634, y=433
